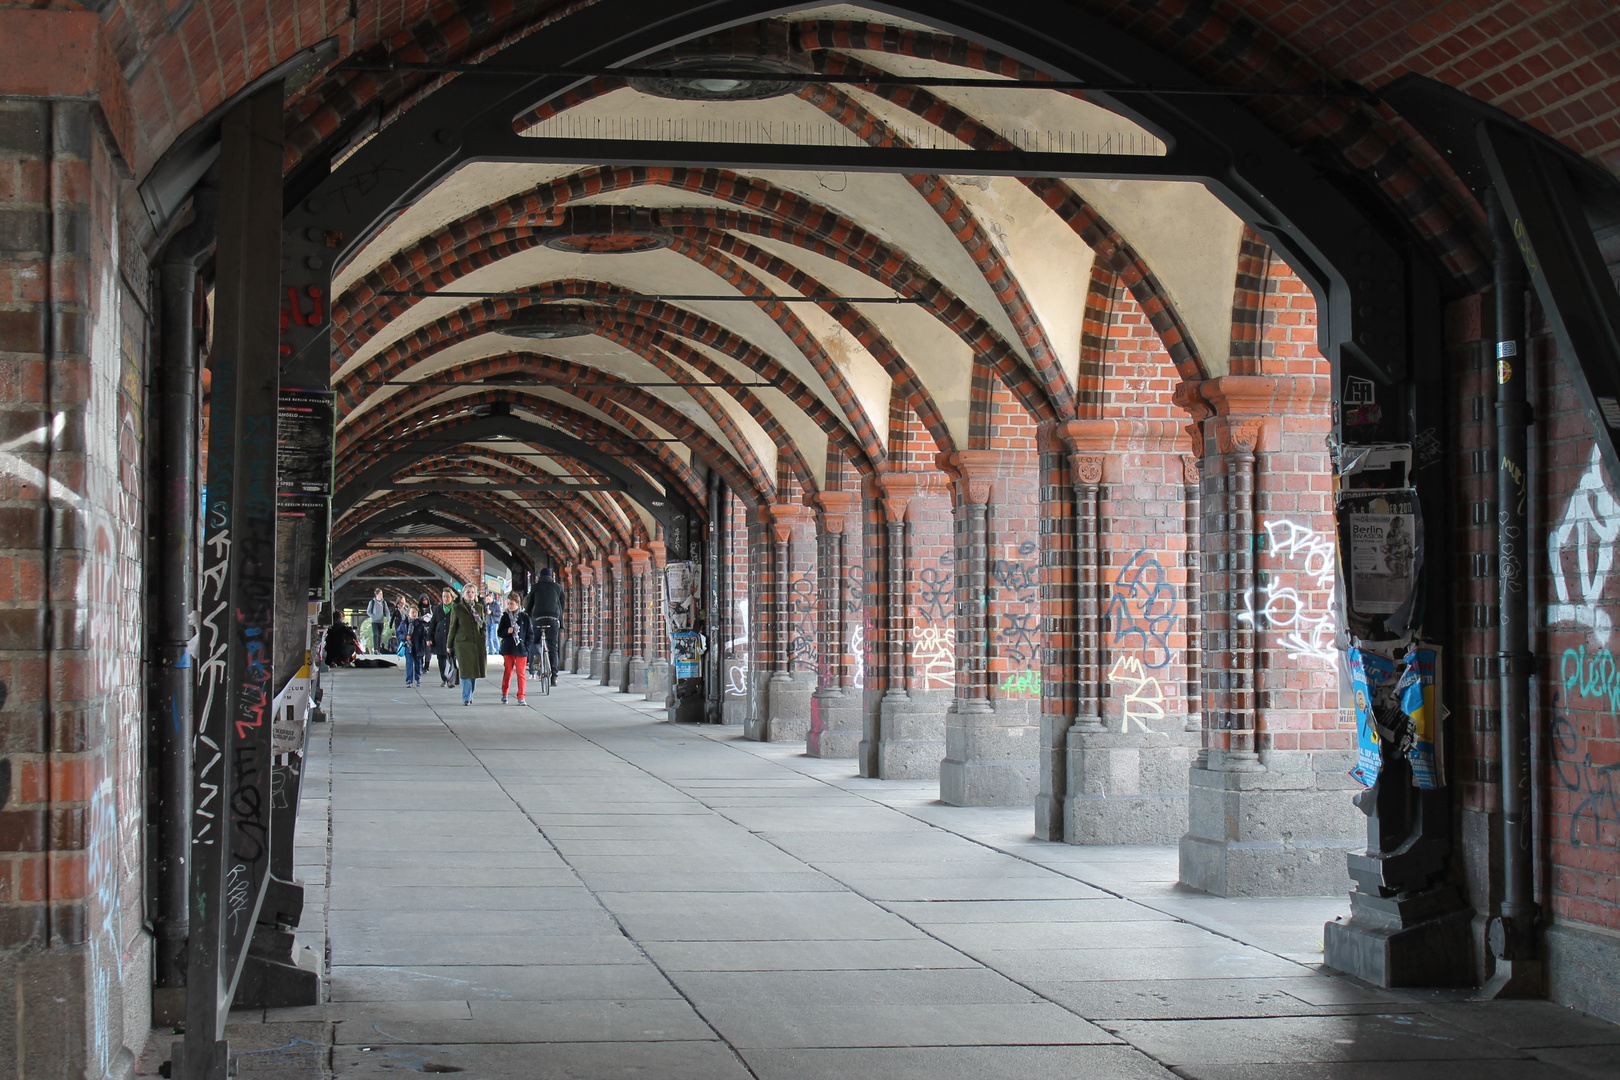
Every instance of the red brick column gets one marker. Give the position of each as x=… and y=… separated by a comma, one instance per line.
x=992, y=731
x=599, y=626
x=658, y=664
x=616, y=670
x=835, y=715
x=1270, y=807
x=636, y=662
x=789, y=596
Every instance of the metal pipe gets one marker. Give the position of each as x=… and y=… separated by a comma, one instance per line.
x=173, y=583
x=1512, y=936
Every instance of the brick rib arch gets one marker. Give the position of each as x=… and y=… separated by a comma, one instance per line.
x=582, y=510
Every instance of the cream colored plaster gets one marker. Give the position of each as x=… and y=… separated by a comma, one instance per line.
x=1191, y=241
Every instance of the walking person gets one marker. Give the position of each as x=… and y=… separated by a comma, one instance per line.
x=492, y=620
x=439, y=631
x=466, y=639
x=515, y=632
x=545, y=609
x=413, y=633
x=377, y=612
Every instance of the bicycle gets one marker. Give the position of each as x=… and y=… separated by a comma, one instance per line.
x=543, y=669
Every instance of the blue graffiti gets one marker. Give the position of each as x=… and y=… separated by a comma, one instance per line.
x=1142, y=608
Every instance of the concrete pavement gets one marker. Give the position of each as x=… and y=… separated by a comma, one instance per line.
x=577, y=890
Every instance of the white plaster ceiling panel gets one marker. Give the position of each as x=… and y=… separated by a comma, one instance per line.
x=942, y=361
x=470, y=188
x=1190, y=240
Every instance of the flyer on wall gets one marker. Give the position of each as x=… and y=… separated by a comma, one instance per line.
x=1385, y=550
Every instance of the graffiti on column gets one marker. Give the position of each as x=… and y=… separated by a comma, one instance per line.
x=1021, y=579
x=1141, y=610
x=1591, y=787
x=1020, y=637
x=737, y=654
x=1581, y=551
x=935, y=655
x=1305, y=631
x=1022, y=684
x=1143, y=700
x=802, y=650
x=1304, y=634
x=936, y=590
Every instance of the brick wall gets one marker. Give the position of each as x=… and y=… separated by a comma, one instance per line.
x=72, y=629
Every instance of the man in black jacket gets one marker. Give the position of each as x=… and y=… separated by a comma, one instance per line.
x=545, y=605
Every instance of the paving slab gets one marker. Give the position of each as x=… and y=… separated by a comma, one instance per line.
x=580, y=890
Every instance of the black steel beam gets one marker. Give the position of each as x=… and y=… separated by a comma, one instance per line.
x=230, y=842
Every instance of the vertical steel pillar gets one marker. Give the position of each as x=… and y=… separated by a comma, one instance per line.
x=173, y=591
x=230, y=843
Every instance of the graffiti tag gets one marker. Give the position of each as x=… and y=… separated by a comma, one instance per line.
x=1583, y=543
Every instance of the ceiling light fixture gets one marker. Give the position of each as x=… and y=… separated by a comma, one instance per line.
x=547, y=322
x=607, y=230
x=723, y=66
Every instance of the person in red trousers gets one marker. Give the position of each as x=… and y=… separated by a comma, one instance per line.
x=515, y=633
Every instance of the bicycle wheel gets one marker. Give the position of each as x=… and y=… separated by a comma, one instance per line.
x=545, y=670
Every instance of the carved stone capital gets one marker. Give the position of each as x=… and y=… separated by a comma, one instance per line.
x=1087, y=468
x=1191, y=472
x=1239, y=434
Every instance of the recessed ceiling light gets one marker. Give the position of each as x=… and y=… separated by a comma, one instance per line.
x=547, y=322
x=720, y=66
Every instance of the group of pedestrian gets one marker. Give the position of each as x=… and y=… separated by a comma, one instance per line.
x=464, y=629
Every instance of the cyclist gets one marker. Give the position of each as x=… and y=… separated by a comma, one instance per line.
x=545, y=606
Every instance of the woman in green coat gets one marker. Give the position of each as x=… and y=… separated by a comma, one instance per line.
x=467, y=640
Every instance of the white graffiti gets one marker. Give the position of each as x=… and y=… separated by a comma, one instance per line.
x=1291, y=540
x=1304, y=634
x=1144, y=700
x=1586, y=535
x=857, y=650
x=935, y=652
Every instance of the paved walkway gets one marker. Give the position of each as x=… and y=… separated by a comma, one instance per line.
x=576, y=890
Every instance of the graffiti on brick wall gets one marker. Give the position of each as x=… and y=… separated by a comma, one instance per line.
x=737, y=653
x=1290, y=540
x=935, y=656
x=1019, y=637
x=936, y=590
x=802, y=648
x=1595, y=676
x=1022, y=684
x=1141, y=697
x=1141, y=612
x=1592, y=788
x=1581, y=551
x=1305, y=632
x=1022, y=578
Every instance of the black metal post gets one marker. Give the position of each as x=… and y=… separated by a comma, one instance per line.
x=717, y=627
x=173, y=592
x=1512, y=933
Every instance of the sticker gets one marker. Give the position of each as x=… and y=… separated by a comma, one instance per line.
x=1507, y=348
x=1358, y=391
x=1504, y=371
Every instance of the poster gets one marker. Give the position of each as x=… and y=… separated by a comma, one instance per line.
x=1369, y=673
x=1416, y=692
x=304, y=442
x=687, y=648
x=1385, y=548
x=680, y=596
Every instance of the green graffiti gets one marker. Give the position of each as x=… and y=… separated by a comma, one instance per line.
x=1023, y=682
x=1595, y=676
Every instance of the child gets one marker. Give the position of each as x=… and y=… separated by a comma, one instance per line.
x=414, y=630
x=514, y=634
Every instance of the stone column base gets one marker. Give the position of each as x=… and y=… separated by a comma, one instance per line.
x=911, y=739
x=635, y=676
x=658, y=680
x=1421, y=940
x=787, y=709
x=598, y=667
x=991, y=758
x=835, y=724
x=1283, y=831
x=613, y=670
x=582, y=661
x=1127, y=788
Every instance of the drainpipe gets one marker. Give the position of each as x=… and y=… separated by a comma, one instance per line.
x=1512, y=933
x=174, y=598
